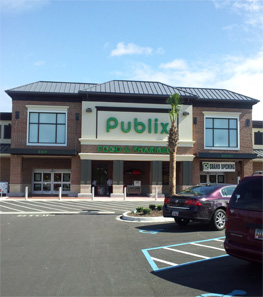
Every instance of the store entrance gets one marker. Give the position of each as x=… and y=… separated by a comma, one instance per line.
x=212, y=178
x=48, y=181
x=99, y=177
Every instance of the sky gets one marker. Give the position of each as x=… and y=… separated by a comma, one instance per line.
x=184, y=43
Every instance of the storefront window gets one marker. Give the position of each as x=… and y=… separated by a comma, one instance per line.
x=47, y=128
x=221, y=132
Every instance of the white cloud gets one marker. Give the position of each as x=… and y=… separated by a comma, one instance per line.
x=252, y=10
x=243, y=75
x=39, y=63
x=130, y=49
x=175, y=64
x=15, y=6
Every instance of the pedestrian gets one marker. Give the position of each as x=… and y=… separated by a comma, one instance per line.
x=109, y=185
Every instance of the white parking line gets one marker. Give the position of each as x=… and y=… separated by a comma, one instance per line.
x=165, y=262
x=186, y=253
x=207, y=246
x=62, y=206
x=39, y=210
x=101, y=205
x=10, y=208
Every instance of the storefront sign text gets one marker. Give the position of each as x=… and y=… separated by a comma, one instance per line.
x=133, y=149
x=151, y=126
x=219, y=167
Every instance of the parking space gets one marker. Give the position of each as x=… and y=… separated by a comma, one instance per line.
x=69, y=207
x=166, y=257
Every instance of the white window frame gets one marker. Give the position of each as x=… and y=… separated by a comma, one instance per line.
x=47, y=109
x=222, y=115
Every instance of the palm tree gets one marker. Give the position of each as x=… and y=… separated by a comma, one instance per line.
x=175, y=101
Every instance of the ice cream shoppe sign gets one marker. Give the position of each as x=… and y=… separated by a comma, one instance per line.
x=219, y=166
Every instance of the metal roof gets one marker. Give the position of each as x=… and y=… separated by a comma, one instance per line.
x=126, y=87
x=217, y=94
x=51, y=87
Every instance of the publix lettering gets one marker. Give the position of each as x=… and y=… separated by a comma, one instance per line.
x=151, y=126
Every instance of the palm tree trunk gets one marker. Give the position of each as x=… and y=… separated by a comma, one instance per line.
x=172, y=173
x=172, y=144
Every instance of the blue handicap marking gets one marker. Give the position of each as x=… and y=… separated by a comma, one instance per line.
x=233, y=293
x=151, y=231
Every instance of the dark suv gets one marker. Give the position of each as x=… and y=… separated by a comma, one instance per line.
x=204, y=203
x=244, y=230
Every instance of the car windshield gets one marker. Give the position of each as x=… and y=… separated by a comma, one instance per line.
x=199, y=190
x=248, y=195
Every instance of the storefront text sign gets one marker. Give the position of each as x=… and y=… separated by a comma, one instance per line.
x=150, y=126
x=219, y=166
x=132, y=150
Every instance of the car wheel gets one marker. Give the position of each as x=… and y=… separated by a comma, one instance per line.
x=181, y=221
x=218, y=221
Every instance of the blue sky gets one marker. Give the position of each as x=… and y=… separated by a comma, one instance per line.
x=187, y=43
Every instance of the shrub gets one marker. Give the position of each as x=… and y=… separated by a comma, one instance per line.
x=152, y=206
x=139, y=209
x=160, y=207
x=146, y=210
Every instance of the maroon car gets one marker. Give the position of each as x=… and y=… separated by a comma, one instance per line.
x=204, y=203
x=244, y=227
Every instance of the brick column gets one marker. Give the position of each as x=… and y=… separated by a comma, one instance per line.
x=85, y=179
x=75, y=175
x=16, y=178
x=247, y=168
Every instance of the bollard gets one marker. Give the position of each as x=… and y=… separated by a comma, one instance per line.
x=26, y=193
x=59, y=193
x=156, y=193
x=93, y=192
x=125, y=193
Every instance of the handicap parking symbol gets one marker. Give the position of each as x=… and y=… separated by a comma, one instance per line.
x=233, y=293
x=151, y=231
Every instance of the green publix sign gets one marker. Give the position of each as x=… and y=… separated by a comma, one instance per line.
x=151, y=126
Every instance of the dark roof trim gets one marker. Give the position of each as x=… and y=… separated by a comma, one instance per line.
x=42, y=152
x=133, y=109
x=257, y=124
x=5, y=116
x=226, y=156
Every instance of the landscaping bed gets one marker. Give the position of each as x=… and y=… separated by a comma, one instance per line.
x=152, y=211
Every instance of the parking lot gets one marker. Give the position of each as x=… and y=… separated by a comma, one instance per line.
x=81, y=248
x=74, y=207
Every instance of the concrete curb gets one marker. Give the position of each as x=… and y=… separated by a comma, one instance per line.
x=125, y=217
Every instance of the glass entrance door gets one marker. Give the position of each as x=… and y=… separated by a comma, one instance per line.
x=212, y=178
x=49, y=181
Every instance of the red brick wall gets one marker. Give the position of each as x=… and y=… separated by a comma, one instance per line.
x=257, y=166
x=19, y=126
x=29, y=164
x=245, y=133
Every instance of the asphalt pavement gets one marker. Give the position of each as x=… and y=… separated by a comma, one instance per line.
x=95, y=254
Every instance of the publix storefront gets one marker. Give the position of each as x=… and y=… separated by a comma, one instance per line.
x=128, y=144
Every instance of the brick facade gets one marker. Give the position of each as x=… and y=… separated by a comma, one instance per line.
x=25, y=159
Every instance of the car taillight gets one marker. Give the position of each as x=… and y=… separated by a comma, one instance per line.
x=167, y=200
x=192, y=202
